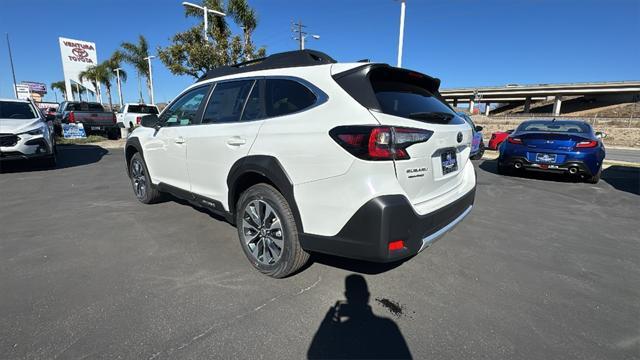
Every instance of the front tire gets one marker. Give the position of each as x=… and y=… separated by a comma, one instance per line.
x=268, y=233
x=144, y=191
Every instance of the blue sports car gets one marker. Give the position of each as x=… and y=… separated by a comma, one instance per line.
x=569, y=147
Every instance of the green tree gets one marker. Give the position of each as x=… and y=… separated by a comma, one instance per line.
x=90, y=74
x=135, y=55
x=191, y=54
x=60, y=86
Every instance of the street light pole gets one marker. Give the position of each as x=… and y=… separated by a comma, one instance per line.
x=13, y=72
x=148, y=58
x=205, y=12
x=403, y=6
x=119, y=86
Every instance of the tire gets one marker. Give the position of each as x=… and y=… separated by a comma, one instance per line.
x=595, y=178
x=144, y=191
x=51, y=161
x=254, y=231
x=113, y=134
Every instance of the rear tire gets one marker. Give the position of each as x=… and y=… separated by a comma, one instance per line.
x=595, y=178
x=268, y=233
x=113, y=134
x=143, y=189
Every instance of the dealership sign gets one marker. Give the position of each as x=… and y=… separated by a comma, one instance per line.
x=77, y=56
x=73, y=131
x=23, y=92
x=35, y=87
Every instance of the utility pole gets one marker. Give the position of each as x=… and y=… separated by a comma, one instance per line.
x=13, y=72
x=119, y=86
x=301, y=36
x=148, y=58
x=403, y=6
x=205, y=14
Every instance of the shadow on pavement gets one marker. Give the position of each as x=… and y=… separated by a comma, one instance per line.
x=350, y=329
x=364, y=267
x=68, y=156
x=623, y=178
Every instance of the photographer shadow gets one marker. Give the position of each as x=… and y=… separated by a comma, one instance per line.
x=350, y=330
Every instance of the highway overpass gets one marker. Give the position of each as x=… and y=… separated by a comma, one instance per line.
x=527, y=93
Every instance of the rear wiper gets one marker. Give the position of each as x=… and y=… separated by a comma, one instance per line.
x=430, y=115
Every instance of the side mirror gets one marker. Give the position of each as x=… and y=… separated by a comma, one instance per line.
x=150, y=121
x=478, y=128
x=600, y=135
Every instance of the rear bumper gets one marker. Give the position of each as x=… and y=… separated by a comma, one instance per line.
x=389, y=218
x=580, y=165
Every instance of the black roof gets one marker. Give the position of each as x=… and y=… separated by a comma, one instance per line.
x=275, y=61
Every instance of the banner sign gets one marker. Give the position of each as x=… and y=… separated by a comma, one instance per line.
x=23, y=92
x=73, y=131
x=35, y=87
x=77, y=56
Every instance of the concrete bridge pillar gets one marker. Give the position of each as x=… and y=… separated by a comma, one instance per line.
x=471, y=105
x=557, y=104
x=487, y=108
x=527, y=104
x=455, y=102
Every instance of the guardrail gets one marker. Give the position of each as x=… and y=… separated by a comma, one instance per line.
x=630, y=121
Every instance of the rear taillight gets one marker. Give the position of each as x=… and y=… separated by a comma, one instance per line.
x=378, y=142
x=138, y=120
x=587, y=144
x=72, y=117
x=514, y=140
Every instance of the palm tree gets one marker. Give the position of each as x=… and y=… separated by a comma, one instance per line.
x=111, y=64
x=135, y=55
x=90, y=74
x=244, y=16
x=60, y=86
x=104, y=76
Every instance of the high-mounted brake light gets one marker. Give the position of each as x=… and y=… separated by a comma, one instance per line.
x=514, y=140
x=587, y=144
x=72, y=117
x=378, y=142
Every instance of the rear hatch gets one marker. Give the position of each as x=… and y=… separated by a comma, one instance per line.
x=407, y=99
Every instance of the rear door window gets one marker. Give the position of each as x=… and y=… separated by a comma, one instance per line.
x=287, y=96
x=227, y=101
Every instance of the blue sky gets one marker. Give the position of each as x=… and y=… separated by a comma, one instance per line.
x=463, y=42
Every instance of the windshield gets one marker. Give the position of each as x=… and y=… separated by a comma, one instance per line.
x=16, y=110
x=410, y=101
x=143, y=109
x=555, y=126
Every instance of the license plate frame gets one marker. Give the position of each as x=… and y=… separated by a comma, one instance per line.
x=449, y=161
x=96, y=128
x=545, y=158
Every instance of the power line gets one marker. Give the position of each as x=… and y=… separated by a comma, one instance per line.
x=297, y=28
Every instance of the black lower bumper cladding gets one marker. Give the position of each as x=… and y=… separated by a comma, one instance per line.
x=384, y=219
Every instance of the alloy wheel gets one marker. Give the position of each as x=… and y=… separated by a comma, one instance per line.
x=262, y=232
x=138, y=179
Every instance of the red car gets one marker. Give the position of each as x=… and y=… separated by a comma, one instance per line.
x=497, y=138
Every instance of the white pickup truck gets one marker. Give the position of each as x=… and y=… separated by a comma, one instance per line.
x=130, y=115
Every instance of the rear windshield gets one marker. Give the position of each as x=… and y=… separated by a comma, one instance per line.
x=552, y=126
x=85, y=107
x=410, y=101
x=143, y=109
x=16, y=110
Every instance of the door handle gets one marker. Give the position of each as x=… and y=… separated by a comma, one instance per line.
x=236, y=141
x=180, y=140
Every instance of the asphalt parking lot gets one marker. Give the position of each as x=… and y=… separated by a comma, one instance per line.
x=543, y=268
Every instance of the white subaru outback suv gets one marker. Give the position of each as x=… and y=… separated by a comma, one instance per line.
x=303, y=154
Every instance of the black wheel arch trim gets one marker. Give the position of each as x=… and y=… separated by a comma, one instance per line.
x=270, y=168
x=132, y=142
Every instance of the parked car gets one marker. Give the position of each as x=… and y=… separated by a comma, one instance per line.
x=91, y=114
x=303, y=154
x=25, y=133
x=130, y=115
x=570, y=147
x=477, y=143
x=497, y=138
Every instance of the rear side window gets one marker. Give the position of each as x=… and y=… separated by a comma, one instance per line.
x=286, y=96
x=16, y=110
x=143, y=109
x=227, y=101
